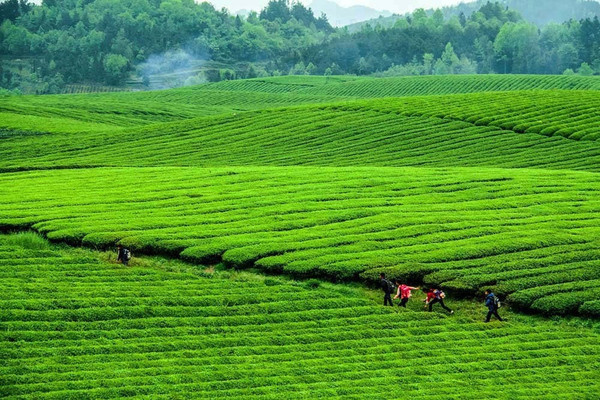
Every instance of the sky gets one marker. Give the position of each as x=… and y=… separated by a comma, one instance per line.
x=397, y=6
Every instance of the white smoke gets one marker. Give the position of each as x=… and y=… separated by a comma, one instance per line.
x=173, y=68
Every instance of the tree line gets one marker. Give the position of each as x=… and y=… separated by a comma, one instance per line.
x=494, y=39
x=106, y=42
x=102, y=41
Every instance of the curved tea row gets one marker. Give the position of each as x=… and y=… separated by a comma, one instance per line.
x=76, y=326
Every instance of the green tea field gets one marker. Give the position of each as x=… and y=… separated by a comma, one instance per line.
x=75, y=325
x=261, y=213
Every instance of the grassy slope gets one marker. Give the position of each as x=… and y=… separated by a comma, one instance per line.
x=74, y=325
x=438, y=85
x=494, y=218
x=505, y=129
x=39, y=114
x=529, y=233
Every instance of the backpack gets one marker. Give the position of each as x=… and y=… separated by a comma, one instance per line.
x=127, y=254
x=497, y=303
x=390, y=286
x=439, y=294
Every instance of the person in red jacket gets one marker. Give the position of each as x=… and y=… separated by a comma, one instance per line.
x=430, y=296
x=404, y=293
x=436, y=296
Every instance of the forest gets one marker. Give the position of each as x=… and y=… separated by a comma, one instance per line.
x=492, y=40
x=109, y=42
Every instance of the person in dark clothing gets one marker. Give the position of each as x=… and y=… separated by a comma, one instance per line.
x=123, y=255
x=436, y=296
x=492, y=305
x=387, y=288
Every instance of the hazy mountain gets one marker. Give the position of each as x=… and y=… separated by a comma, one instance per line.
x=540, y=12
x=342, y=16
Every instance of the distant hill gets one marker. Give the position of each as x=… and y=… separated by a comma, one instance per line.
x=342, y=16
x=540, y=12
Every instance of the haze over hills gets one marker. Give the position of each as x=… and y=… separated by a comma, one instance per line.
x=540, y=12
x=342, y=16
x=338, y=15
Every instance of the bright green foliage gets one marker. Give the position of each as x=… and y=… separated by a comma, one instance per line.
x=27, y=240
x=108, y=111
x=103, y=111
x=529, y=233
x=507, y=129
x=436, y=85
x=449, y=216
x=316, y=178
x=525, y=232
x=591, y=308
x=75, y=326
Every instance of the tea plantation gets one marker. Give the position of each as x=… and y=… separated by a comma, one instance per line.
x=467, y=182
x=112, y=110
x=530, y=233
x=74, y=325
x=508, y=129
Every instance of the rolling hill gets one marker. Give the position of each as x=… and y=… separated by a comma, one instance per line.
x=77, y=326
x=111, y=111
x=260, y=212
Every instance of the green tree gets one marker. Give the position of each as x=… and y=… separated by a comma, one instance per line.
x=484, y=54
x=335, y=69
x=13, y=9
x=16, y=40
x=438, y=18
x=121, y=45
x=465, y=66
x=364, y=67
x=518, y=48
x=440, y=68
x=558, y=45
x=449, y=59
x=419, y=17
x=298, y=69
x=428, y=60
x=116, y=68
x=276, y=10
x=585, y=70
x=311, y=69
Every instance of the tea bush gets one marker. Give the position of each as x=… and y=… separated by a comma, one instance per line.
x=74, y=326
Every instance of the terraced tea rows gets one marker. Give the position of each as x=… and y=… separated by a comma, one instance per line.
x=509, y=130
x=367, y=87
x=529, y=233
x=571, y=114
x=75, y=326
x=308, y=177
x=75, y=112
x=439, y=85
x=279, y=84
x=83, y=113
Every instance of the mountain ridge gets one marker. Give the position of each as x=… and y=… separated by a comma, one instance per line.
x=342, y=16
